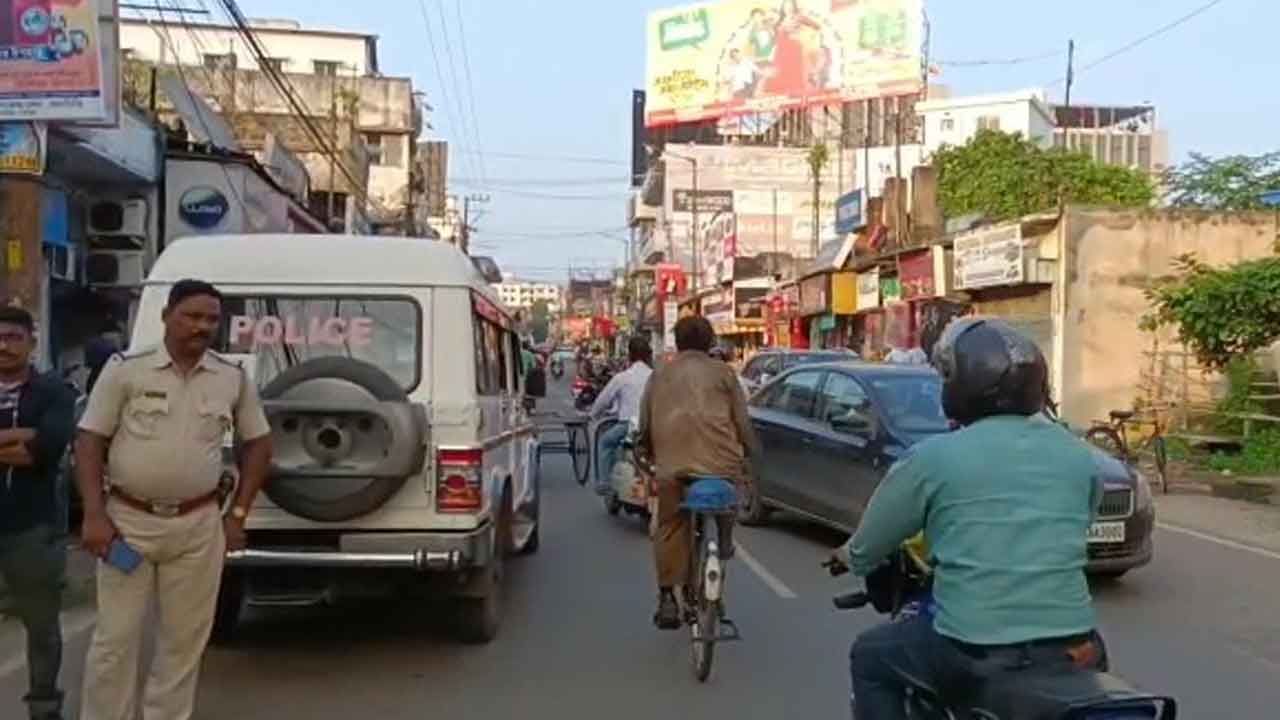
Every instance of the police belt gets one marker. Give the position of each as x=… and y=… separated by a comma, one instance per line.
x=164, y=509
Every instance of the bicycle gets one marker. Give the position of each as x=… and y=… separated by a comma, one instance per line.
x=1152, y=453
x=707, y=499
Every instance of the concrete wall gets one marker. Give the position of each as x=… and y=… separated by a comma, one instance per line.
x=1111, y=258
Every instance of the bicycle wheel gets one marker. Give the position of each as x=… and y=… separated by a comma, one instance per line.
x=705, y=627
x=580, y=452
x=1107, y=439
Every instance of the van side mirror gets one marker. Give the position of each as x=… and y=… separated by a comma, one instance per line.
x=535, y=383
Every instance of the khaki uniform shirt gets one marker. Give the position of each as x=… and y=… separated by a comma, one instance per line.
x=693, y=418
x=167, y=431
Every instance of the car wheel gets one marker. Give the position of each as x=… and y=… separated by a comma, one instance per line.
x=480, y=617
x=752, y=511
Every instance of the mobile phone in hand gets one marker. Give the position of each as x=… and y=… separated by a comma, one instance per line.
x=122, y=556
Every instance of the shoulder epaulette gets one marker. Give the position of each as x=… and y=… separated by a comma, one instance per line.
x=134, y=354
x=237, y=364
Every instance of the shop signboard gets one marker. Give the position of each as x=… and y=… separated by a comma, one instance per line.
x=849, y=212
x=671, y=281
x=743, y=57
x=989, y=257
x=749, y=303
x=719, y=247
x=58, y=61
x=709, y=201
x=23, y=147
x=890, y=290
x=869, y=289
x=717, y=308
x=815, y=294
x=915, y=272
x=844, y=293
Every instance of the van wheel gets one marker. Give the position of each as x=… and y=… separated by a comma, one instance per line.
x=480, y=617
x=229, y=607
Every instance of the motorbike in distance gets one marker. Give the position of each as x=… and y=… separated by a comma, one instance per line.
x=902, y=589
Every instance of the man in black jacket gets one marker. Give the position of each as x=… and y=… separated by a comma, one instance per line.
x=36, y=423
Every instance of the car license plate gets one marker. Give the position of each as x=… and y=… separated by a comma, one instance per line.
x=1106, y=532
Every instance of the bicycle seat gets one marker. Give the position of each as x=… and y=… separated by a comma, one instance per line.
x=708, y=494
x=1121, y=414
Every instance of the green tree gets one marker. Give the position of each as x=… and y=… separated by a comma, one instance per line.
x=1233, y=182
x=1003, y=175
x=540, y=321
x=1221, y=314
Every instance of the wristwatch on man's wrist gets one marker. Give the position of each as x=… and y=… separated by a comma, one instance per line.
x=239, y=512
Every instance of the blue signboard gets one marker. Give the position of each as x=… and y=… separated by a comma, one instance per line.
x=849, y=212
x=203, y=207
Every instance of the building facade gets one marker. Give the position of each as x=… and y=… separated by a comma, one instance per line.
x=516, y=293
x=372, y=120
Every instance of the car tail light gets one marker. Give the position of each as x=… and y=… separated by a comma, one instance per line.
x=459, y=481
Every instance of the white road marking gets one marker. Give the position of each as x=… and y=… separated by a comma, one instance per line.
x=778, y=587
x=73, y=624
x=1220, y=541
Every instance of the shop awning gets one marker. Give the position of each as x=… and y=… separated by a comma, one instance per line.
x=122, y=156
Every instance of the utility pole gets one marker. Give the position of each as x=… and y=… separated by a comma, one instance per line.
x=466, y=219
x=697, y=246
x=1071, y=78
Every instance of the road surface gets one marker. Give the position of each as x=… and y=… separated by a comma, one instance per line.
x=1199, y=622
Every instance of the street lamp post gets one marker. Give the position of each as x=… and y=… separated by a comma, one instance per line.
x=693, y=233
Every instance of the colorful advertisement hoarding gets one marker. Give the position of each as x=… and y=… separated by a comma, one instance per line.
x=915, y=270
x=734, y=57
x=22, y=148
x=52, y=61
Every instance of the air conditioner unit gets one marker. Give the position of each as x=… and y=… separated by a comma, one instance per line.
x=62, y=262
x=114, y=268
x=119, y=217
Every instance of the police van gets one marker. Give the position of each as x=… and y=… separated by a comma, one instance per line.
x=405, y=456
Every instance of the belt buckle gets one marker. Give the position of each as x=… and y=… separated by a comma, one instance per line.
x=165, y=509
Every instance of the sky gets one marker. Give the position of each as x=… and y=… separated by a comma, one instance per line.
x=540, y=106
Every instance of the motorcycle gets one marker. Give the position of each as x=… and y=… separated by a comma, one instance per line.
x=628, y=486
x=584, y=394
x=903, y=588
x=557, y=368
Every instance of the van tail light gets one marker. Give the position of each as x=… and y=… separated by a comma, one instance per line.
x=459, y=481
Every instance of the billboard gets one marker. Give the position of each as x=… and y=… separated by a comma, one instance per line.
x=713, y=60
x=22, y=148
x=55, y=60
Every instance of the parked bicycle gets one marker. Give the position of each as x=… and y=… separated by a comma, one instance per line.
x=1151, y=455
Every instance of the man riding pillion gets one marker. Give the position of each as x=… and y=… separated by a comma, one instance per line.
x=621, y=398
x=1004, y=504
x=693, y=422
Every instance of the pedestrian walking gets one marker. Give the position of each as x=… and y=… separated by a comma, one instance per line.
x=36, y=414
x=164, y=413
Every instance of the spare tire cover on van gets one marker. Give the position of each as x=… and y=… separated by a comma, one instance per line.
x=345, y=438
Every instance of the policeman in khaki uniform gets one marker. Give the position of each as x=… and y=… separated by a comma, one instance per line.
x=164, y=413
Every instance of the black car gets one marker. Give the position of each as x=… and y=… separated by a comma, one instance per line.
x=826, y=469
x=769, y=364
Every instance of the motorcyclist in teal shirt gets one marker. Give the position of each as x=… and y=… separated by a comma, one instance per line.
x=1004, y=503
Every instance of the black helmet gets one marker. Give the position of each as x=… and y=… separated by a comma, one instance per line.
x=988, y=368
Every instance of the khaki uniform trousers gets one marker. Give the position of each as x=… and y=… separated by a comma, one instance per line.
x=182, y=570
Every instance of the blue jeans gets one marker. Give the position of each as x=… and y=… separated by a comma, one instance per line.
x=882, y=658
x=33, y=564
x=610, y=442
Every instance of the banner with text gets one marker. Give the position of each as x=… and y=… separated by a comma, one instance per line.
x=52, y=61
x=721, y=59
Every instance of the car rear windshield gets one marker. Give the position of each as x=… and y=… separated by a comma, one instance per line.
x=279, y=332
x=912, y=402
x=818, y=357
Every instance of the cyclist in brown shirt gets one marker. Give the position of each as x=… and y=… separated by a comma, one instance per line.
x=693, y=421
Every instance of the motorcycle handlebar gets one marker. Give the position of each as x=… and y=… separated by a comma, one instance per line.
x=851, y=601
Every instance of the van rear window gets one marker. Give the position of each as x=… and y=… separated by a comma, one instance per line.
x=278, y=332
